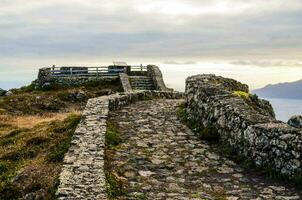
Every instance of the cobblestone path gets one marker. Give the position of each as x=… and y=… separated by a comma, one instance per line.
x=160, y=158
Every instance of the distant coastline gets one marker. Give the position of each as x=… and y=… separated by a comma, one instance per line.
x=292, y=90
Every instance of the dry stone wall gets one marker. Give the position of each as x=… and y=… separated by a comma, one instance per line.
x=82, y=175
x=157, y=77
x=125, y=82
x=45, y=80
x=250, y=130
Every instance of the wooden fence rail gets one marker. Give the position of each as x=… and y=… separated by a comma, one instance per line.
x=92, y=71
x=84, y=71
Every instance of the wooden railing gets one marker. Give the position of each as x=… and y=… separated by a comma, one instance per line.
x=84, y=71
x=93, y=71
x=140, y=68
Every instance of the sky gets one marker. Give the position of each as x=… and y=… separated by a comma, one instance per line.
x=241, y=34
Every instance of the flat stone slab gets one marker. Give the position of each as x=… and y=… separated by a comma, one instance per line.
x=160, y=158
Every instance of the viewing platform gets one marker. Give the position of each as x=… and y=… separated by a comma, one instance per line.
x=132, y=77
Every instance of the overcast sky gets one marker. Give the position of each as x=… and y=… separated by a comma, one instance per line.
x=229, y=29
x=259, y=32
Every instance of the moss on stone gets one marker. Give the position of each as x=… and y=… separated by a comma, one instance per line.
x=114, y=186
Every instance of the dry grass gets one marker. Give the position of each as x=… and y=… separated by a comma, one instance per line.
x=35, y=132
x=29, y=121
x=30, y=158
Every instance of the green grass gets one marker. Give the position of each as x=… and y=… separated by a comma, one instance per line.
x=58, y=149
x=112, y=138
x=11, y=137
x=29, y=101
x=242, y=94
x=140, y=196
x=114, y=186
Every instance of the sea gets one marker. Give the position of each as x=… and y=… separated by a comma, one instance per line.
x=175, y=75
x=286, y=108
x=254, y=76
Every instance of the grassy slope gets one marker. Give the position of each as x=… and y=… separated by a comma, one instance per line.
x=35, y=131
x=26, y=101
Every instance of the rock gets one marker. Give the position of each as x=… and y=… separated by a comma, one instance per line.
x=80, y=95
x=8, y=93
x=295, y=121
x=243, y=122
x=2, y=92
x=145, y=173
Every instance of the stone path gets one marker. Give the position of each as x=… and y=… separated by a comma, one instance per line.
x=160, y=158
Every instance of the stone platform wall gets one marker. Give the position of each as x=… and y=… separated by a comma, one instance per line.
x=155, y=73
x=82, y=175
x=250, y=130
x=45, y=80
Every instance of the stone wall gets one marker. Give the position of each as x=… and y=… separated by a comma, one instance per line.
x=250, y=129
x=45, y=80
x=125, y=82
x=83, y=175
x=157, y=77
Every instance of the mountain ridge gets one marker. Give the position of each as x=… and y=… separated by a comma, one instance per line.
x=289, y=90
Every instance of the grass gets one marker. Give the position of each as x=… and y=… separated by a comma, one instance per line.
x=36, y=127
x=27, y=101
x=243, y=95
x=112, y=138
x=31, y=158
x=261, y=106
x=114, y=186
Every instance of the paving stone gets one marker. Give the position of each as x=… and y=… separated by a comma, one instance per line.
x=160, y=158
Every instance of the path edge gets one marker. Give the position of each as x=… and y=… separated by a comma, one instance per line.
x=82, y=175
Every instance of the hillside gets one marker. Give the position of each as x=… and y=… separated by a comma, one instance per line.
x=35, y=132
x=292, y=90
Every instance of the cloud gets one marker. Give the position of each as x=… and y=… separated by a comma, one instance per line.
x=151, y=29
x=263, y=63
x=172, y=62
